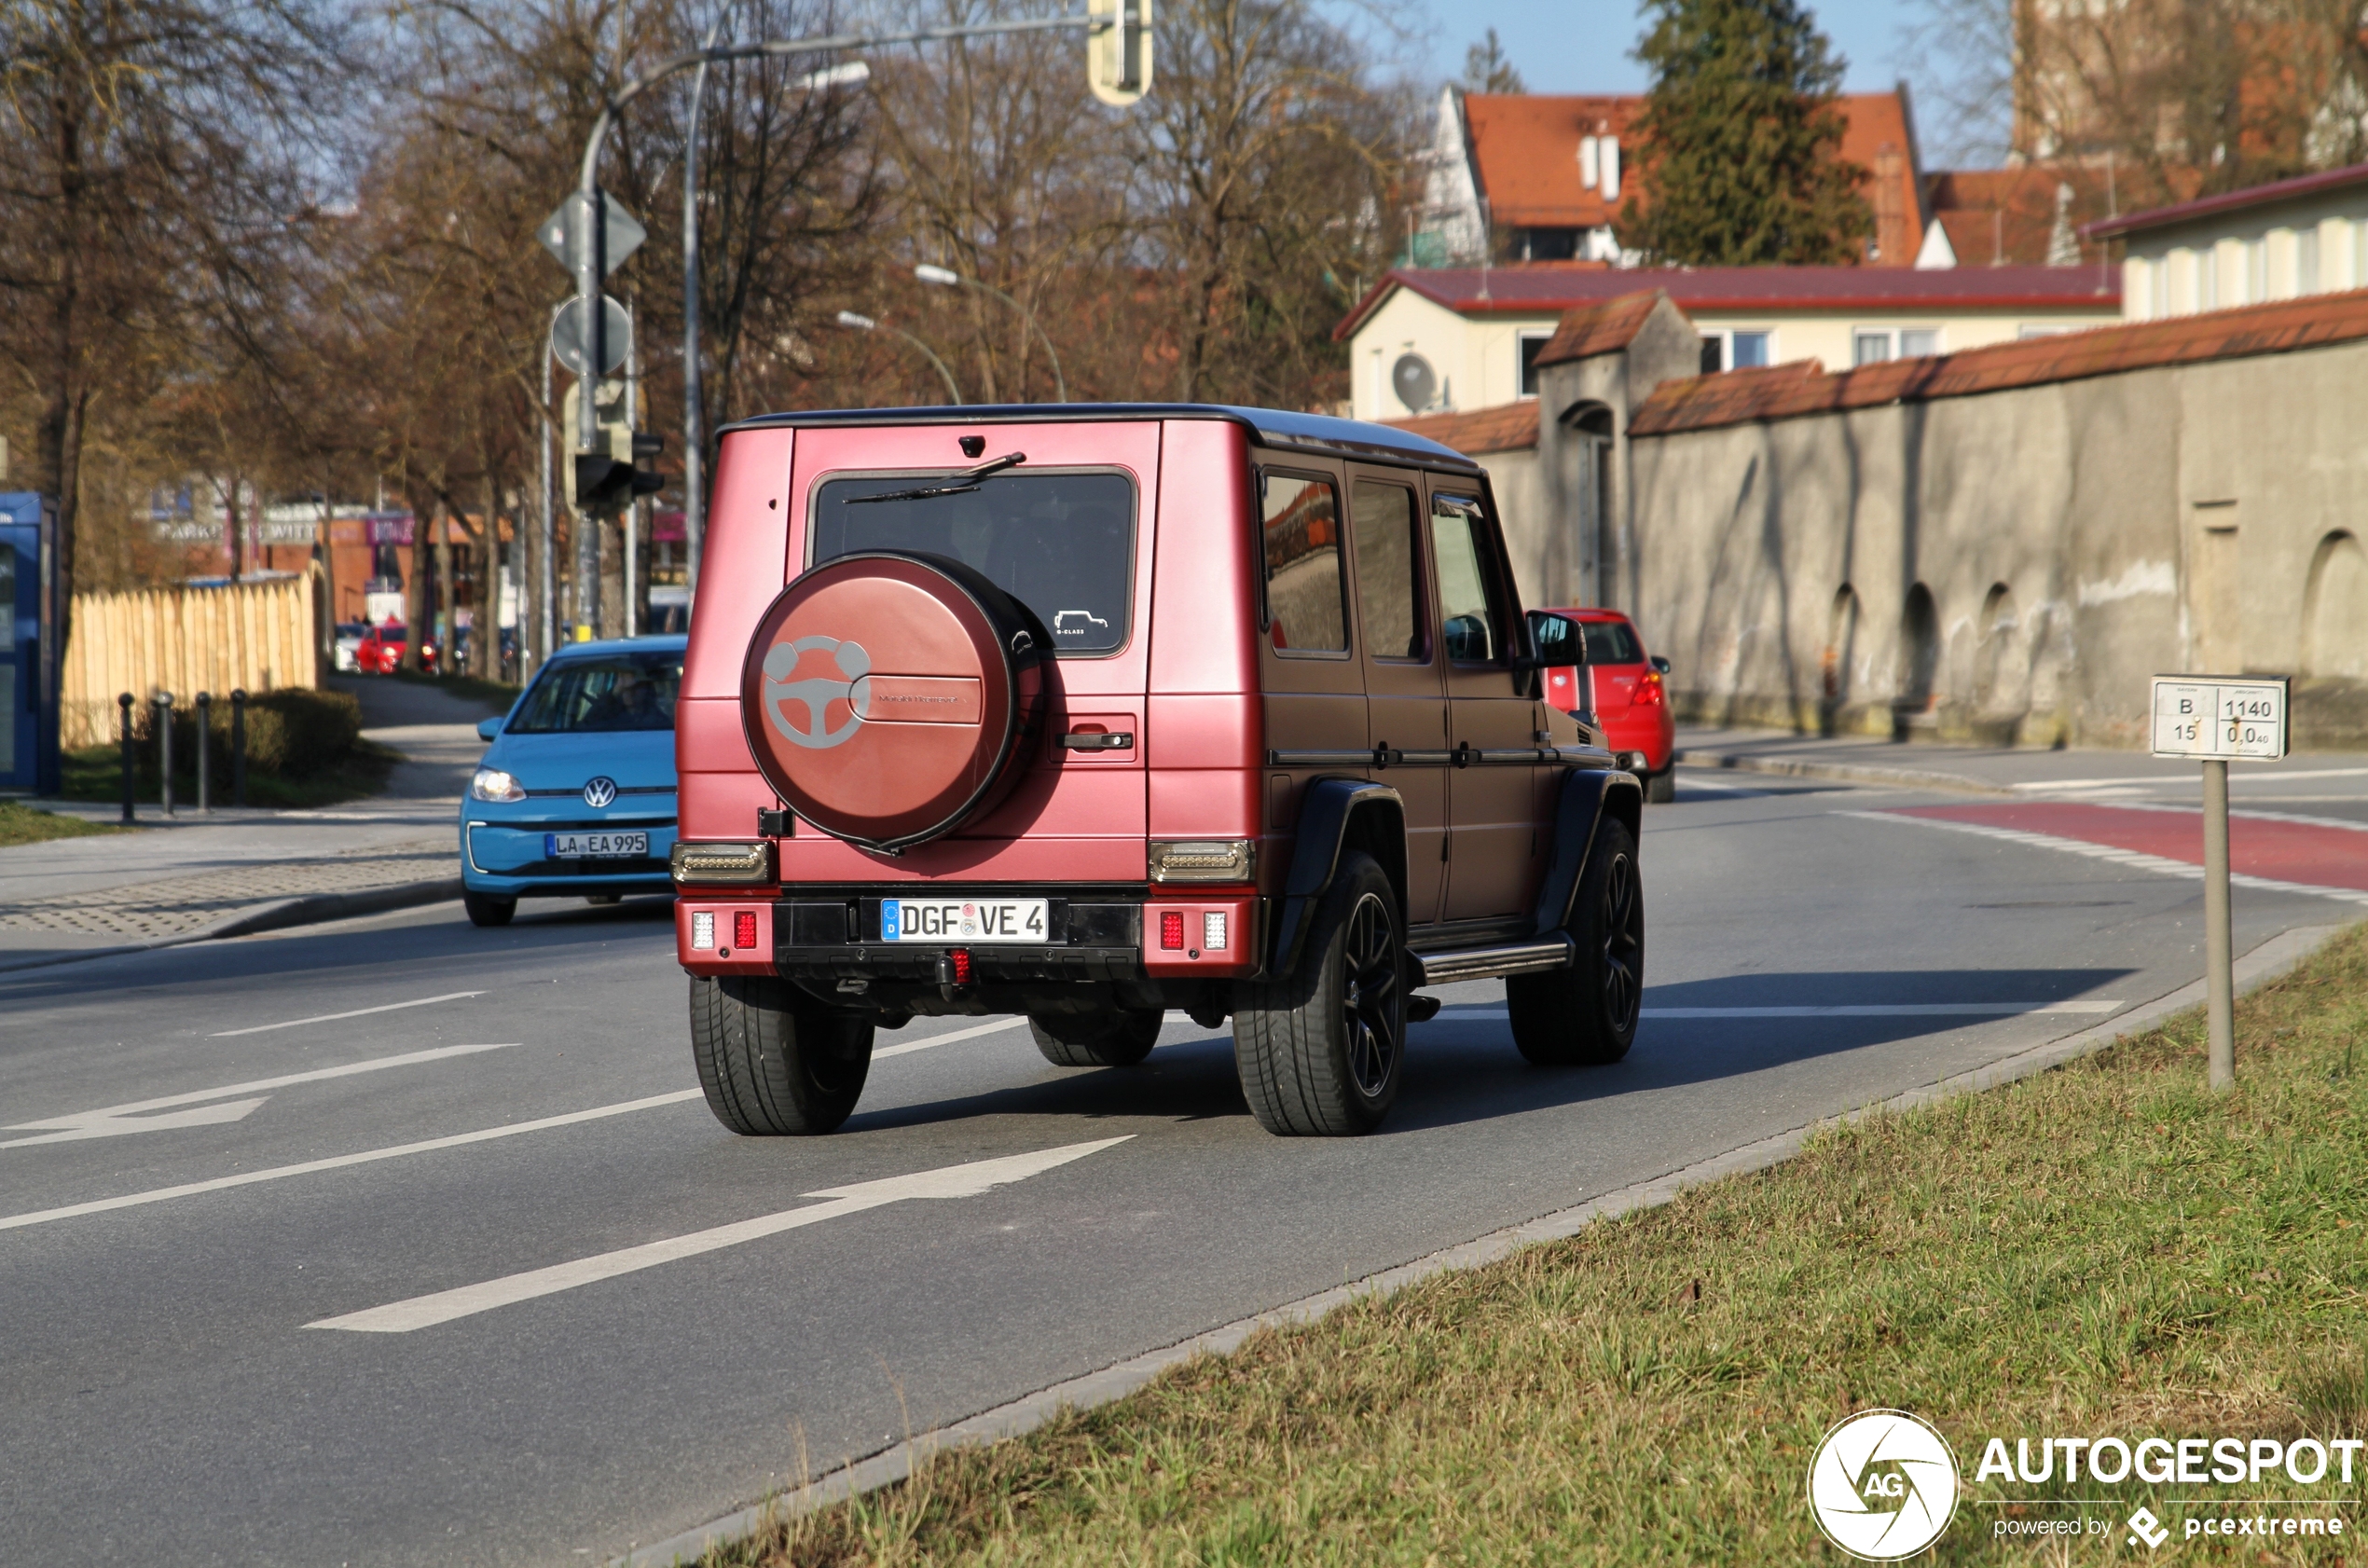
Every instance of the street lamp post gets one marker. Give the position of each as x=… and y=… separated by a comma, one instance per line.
x=946, y=278
x=854, y=323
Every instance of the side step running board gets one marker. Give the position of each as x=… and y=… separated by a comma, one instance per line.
x=1485, y=963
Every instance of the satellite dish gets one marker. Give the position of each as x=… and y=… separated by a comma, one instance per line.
x=1415, y=381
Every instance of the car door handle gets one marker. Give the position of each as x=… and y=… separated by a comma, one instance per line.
x=1098, y=740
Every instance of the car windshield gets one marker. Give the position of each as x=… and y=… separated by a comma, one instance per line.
x=1061, y=543
x=1611, y=642
x=610, y=692
x=394, y=634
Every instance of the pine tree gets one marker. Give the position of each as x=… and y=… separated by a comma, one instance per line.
x=1486, y=69
x=1739, y=144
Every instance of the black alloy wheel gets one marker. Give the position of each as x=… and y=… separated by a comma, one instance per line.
x=1622, y=927
x=1372, y=1018
x=1586, y=1014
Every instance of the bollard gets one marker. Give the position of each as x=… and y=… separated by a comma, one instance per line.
x=164, y=748
x=130, y=759
x=205, y=752
x=239, y=746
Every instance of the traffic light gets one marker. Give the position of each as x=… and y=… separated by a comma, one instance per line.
x=1118, y=50
x=606, y=483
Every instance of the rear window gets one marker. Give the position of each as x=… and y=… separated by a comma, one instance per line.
x=1611, y=642
x=1062, y=543
x=613, y=691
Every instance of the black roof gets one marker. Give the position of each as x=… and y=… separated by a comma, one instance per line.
x=1273, y=427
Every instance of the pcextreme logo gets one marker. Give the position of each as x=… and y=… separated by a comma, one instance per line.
x=1882, y=1485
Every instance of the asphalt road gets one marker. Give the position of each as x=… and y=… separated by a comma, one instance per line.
x=160, y=1384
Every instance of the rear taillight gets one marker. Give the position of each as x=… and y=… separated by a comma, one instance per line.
x=962, y=960
x=744, y=929
x=1648, y=689
x=1171, y=931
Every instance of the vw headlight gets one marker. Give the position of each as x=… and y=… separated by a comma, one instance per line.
x=493, y=784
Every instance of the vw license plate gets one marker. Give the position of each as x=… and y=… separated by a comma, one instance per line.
x=955, y=920
x=595, y=847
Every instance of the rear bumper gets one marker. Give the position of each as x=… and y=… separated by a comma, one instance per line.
x=1093, y=935
x=1650, y=730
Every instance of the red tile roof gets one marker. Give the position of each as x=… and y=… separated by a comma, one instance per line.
x=1511, y=427
x=1553, y=288
x=1526, y=148
x=2228, y=201
x=1601, y=329
x=1788, y=391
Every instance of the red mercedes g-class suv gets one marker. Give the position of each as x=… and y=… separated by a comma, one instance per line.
x=1087, y=713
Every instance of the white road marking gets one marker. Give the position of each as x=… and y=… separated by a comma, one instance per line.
x=952, y=1181
x=1847, y=1009
x=99, y=1124
x=2249, y=775
x=881, y=1053
x=332, y=1017
x=395, y=1151
x=2130, y=857
x=114, y=1119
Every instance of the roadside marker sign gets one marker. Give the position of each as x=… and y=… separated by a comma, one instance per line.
x=2207, y=716
x=2211, y=719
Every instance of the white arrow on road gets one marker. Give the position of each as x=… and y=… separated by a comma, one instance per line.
x=110, y=1122
x=106, y=1124
x=952, y=1181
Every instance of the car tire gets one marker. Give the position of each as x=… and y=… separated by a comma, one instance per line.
x=770, y=1061
x=1661, y=788
x=485, y=910
x=1321, y=1052
x=1585, y=1015
x=1117, y=1038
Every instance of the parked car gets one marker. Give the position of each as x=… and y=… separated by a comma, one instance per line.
x=349, y=639
x=575, y=797
x=1630, y=697
x=1227, y=710
x=381, y=651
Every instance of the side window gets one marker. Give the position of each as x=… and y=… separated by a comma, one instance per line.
x=1306, y=590
x=1387, y=551
x=1470, y=615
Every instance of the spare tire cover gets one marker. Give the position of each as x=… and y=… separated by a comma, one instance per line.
x=889, y=697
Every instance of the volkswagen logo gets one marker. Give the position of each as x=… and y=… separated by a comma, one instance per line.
x=816, y=695
x=599, y=792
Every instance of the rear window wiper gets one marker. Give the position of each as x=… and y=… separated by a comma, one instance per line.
x=971, y=475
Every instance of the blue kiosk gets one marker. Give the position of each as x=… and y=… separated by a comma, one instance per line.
x=31, y=660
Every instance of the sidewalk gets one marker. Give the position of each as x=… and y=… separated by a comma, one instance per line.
x=189, y=878
x=1958, y=769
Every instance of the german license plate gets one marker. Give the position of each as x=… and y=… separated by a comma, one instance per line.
x=959, y=920
x=596, y=847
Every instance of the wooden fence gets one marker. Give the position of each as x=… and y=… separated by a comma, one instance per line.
x=185, y=641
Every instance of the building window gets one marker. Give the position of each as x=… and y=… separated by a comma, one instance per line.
x=1531, y=343
x=2306, y=261
x=1870, y=348
x=1736, y=351
x=1919, y=342
x=1548, y=244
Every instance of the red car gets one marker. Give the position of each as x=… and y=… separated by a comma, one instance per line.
x=1087, y=713
x=381, y=650
x=1632, y=700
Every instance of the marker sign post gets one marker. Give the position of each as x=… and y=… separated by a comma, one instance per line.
x=2212, y=718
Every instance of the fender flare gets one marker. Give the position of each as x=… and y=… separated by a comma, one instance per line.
x=1588, y=796
x=1327, y=807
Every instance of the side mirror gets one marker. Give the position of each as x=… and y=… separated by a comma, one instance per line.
x=1566, y=687
x=488, y=728
x=1660, y=664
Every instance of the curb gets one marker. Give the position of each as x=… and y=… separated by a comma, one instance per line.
x=1844, y=773
x=309, y=909
x=2257, y=968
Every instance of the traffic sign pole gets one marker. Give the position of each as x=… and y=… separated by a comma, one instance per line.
x=2211, y=719
x=2220, y=982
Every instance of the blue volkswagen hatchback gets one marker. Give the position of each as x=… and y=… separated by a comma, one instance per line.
x=576, y=796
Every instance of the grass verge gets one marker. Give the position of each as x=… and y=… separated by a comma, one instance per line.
x=20, y=823
x=95, y=773
x=2104, y=1249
